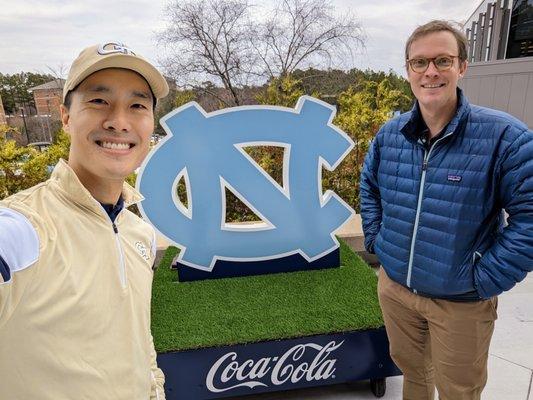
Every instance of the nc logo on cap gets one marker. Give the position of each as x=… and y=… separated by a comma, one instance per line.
x=112, y=47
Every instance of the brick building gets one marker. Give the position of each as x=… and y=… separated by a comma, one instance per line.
x=48, y=97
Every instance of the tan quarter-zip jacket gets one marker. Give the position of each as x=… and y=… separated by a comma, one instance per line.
x=75, y=301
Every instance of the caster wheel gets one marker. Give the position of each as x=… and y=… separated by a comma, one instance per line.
x=378, y=387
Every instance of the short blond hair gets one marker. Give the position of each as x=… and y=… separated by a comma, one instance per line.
x=440, y=26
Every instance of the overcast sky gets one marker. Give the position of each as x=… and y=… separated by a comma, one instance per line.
x=35, y=35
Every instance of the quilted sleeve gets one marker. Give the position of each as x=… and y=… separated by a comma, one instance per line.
x=511, y=257
x=370, y=199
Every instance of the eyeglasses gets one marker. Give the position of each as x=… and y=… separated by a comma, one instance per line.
x=421, y=64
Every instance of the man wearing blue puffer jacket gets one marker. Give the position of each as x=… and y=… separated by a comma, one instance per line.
x=434, y=187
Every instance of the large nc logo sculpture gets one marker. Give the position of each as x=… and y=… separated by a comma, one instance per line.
x=206, y=149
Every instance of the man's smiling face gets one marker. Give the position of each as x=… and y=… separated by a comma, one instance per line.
x=435, y=89
x=110, y=121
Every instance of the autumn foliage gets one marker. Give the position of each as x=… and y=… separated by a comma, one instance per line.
x=23, y=167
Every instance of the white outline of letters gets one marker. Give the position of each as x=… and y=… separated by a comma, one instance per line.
x=324, y=198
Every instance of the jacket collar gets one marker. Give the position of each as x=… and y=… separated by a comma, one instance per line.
x=410, y=125
x=68, y=182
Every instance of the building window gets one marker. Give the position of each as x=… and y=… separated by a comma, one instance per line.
x=520, y=42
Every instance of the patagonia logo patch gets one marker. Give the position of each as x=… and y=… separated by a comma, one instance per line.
x=455, y=178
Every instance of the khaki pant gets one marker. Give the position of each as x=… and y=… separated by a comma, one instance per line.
x=437, y=342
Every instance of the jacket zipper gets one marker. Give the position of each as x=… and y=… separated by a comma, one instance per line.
x=427, y=153
x=122, y=266
x=476, y=256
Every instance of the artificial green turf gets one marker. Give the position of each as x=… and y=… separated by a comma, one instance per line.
x=216, y=312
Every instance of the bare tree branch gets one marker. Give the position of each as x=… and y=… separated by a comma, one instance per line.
x=59, y=72
x=217, y=40
x=209, y=39
x=302, y=31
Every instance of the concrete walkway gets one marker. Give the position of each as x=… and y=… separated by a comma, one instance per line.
x=511, y=351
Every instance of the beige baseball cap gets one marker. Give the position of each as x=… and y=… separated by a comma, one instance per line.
x=114, y=55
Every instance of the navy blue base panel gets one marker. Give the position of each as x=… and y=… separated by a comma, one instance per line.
x=231, y=269
x=277, y=365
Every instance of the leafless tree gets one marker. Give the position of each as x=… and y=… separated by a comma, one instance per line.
x=218, y=40
x=58, y=72
x=208, y=39
x=300, y=33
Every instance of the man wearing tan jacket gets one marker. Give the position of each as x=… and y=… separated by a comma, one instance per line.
x=75, y=265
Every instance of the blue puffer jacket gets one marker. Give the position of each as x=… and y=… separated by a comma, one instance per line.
x=434, y=217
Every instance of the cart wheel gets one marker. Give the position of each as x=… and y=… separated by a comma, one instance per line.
x=378, y=386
